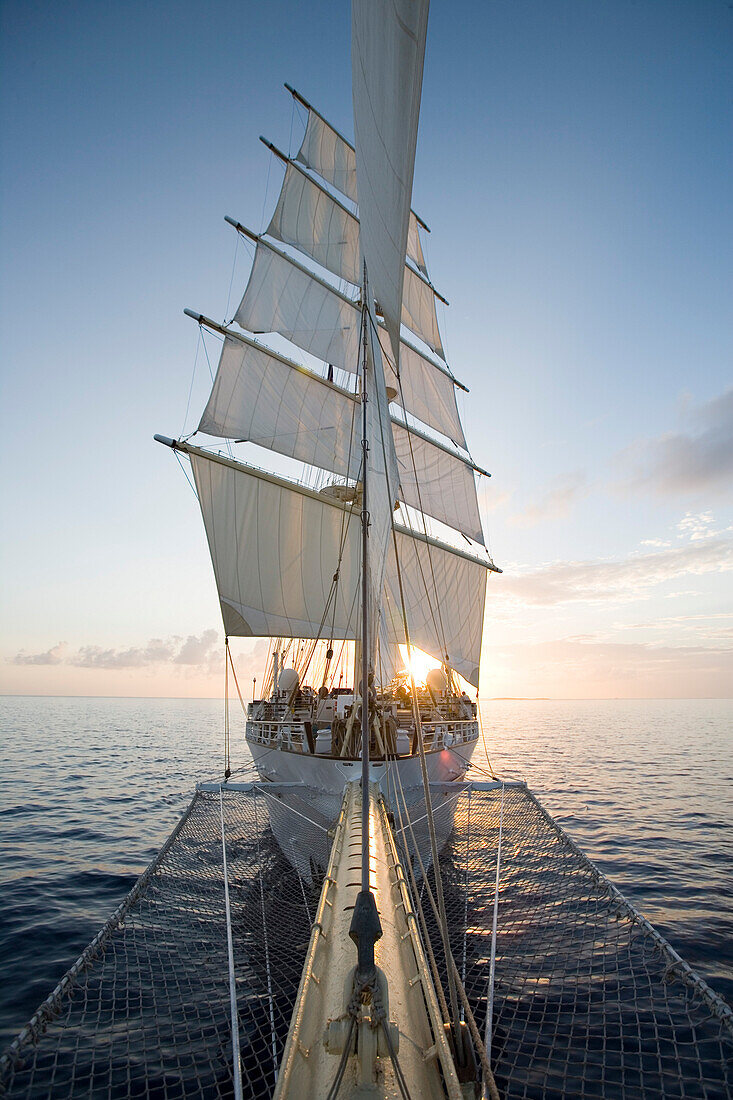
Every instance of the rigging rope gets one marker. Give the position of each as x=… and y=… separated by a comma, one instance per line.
x=439, y=622
x=227, y=768
x=490, y=1083
x=443, y=920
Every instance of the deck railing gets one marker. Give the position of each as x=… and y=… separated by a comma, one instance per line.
x=437, y=734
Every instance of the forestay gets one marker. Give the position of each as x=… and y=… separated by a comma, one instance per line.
x=383, y=476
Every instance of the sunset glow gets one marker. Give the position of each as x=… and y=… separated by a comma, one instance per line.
x=419, y=663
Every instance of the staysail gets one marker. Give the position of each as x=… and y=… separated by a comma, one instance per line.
x=387, y=56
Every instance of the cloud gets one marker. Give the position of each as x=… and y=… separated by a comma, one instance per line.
x=700, y=459
x=591, y=581
x=556, y=502
x=700, y=526
x=197, y=650
x=193, y=651
x=53, y=656
x=94, y=656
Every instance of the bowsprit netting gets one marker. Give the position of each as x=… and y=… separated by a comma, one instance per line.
x=589, y=1000
x=146, y=1009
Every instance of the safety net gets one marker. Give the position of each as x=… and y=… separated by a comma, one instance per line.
x=145, y=1011
x=588, y=1000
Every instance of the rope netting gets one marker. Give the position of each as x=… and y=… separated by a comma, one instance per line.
x=589, y=1000
x=146, y=1009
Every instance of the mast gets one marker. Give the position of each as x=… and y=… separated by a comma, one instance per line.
x=366, y=927
x=364, y=612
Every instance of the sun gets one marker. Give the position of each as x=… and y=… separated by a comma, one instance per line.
x=419, y=664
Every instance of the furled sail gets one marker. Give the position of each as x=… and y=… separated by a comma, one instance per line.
x=275, y=548
x=387, y=55
x=308, y=218
x=264, y=398
x=444, y=592
x=327, y=153
x=283, y=296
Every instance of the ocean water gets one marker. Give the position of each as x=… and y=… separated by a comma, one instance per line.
x=90, y=788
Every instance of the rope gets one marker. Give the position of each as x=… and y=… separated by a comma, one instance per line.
x=333, y=1091
x=236, y=1059
x=437, y=623
x=465, y=887
x=492, y=968
x=236, y=681
x=452, y=969
x=417, y=902
x=227, y=769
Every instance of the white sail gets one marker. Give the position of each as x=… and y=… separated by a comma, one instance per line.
x=325, y=152
x=387, y=54
x=427, y=391
x=275, y=548
x=263, y=398
x=382, y=474
x=310, y=219
x=283, y=297
x=438, y=483
x=444, y=592
x=414, y=245
x=418, y=311
x=266, y=399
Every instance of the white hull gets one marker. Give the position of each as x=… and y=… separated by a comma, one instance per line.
x=318, y=790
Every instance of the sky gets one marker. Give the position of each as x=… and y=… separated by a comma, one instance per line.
x=574, y=164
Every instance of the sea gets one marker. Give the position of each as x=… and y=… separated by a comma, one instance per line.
x=90, y=788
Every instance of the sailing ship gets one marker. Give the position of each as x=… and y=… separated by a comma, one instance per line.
x=309, y=934
x=374, y=550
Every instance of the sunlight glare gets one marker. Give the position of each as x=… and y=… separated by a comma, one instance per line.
x=420, y=663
